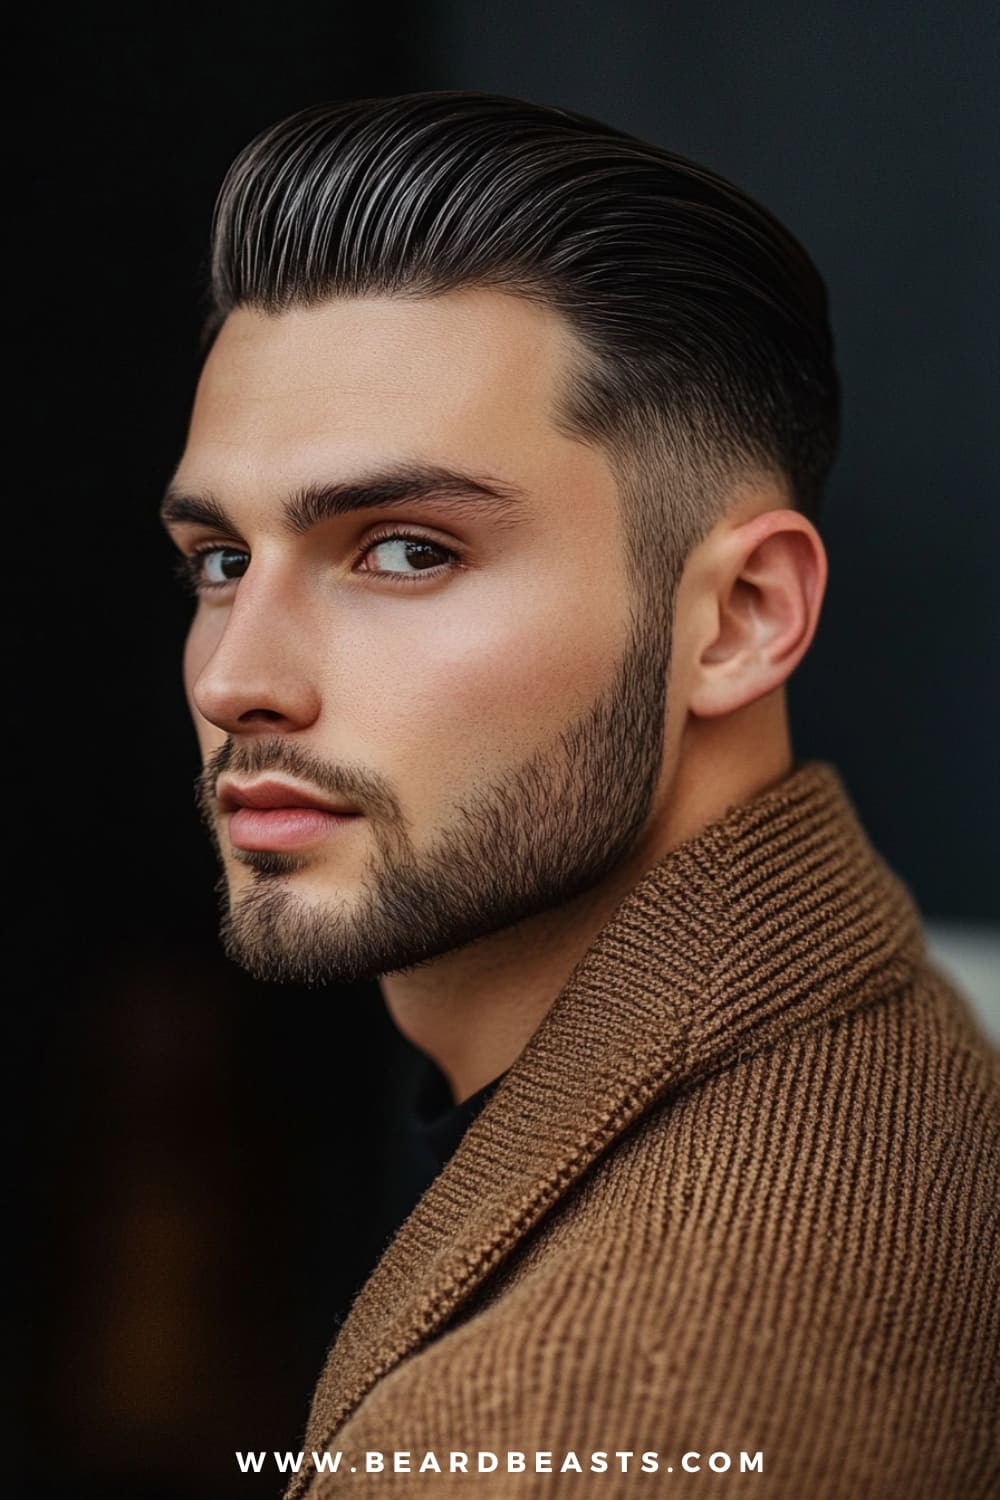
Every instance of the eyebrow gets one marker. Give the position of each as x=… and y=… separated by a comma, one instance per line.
x=315, y=503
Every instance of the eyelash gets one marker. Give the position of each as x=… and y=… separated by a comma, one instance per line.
x=187, y=566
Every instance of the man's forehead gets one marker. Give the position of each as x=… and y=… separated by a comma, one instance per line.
x=466, y=380
x=460, y=346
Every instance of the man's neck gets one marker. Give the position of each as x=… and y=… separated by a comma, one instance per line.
x=473, y=1010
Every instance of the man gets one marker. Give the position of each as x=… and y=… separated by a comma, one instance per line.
x=499, y=501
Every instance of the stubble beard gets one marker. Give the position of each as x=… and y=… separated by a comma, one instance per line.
x=543, y=832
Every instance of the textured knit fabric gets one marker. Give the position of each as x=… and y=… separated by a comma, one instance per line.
x=433, y=1125
x=738, y=1194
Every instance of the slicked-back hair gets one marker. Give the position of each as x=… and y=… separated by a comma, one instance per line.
x=704, y=347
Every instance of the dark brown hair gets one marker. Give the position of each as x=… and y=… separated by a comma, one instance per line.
x=706, y=350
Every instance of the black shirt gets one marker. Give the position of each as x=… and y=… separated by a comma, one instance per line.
x=435, y=1124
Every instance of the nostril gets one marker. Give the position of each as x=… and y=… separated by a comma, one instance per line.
x=261, y=715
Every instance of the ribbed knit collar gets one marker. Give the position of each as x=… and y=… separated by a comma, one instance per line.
x=779, y=915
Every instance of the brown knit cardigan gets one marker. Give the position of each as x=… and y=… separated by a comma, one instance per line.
x=738, y=1195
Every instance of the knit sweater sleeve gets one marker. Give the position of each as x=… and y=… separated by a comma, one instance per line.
x=781, y=1284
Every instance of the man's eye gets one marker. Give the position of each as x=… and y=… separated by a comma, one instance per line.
x=213, y=567
x=405, y=555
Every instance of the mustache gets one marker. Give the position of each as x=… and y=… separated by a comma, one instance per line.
x=369, y=792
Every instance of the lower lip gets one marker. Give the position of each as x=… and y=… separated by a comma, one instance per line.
x=284, y=827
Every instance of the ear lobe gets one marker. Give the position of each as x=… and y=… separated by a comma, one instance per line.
x=765, y=614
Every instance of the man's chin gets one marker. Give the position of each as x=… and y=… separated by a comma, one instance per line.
x=290, y=927
x=283, y=929
x=283, y=945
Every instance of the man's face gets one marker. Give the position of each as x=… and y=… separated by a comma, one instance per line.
x=424, y=707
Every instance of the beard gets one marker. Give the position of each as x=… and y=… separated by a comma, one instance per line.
x=548, y=829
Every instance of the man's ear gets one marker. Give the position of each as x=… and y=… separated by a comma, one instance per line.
x=767, y=577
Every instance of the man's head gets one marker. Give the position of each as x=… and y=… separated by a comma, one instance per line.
x=483, y=377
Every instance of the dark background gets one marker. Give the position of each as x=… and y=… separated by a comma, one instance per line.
x=209, y=1165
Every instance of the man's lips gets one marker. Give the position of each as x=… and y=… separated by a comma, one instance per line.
x=279, y=815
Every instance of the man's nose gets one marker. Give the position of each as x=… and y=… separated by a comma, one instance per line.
x=257, y=675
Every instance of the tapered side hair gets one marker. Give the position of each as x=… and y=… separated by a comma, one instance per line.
x=704, y=346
